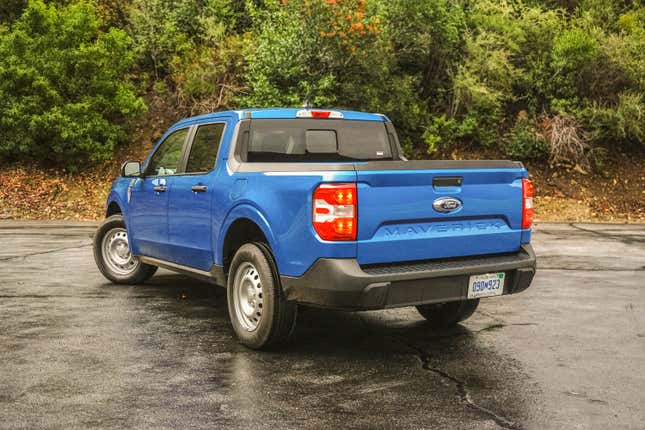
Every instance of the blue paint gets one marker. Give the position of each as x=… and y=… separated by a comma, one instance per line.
x=396, y=221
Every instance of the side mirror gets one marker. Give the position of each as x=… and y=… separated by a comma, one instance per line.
x=131, y=169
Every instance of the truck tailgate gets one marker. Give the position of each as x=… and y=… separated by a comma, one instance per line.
x=397, y=221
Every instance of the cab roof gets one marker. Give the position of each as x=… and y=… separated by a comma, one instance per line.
x=279, y=113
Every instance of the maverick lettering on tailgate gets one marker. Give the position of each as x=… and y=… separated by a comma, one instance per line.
x=417, y=229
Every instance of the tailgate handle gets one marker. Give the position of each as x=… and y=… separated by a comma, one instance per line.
x=447, y=181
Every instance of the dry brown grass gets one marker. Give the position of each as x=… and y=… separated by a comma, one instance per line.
x=566, y=140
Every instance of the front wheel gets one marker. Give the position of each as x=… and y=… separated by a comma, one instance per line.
x=448, y=314
x=259, y=313
x=113, y=257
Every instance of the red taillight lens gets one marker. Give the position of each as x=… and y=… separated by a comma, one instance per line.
x=527, y=203
x=334, y=211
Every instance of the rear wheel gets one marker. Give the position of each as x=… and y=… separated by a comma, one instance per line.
x=259, y=313
x=448, y=314
x=113, y=256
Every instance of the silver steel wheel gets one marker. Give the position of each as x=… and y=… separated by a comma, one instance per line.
x=247, y=296
x=116, y=252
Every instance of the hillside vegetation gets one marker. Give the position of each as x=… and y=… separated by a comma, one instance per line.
x=558, y=84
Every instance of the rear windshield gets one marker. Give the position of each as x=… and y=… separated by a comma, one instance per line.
x=317, y=140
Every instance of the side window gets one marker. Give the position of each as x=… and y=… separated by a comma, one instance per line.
x=167, y=158
x=203, y=152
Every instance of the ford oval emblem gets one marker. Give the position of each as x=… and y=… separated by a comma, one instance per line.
x=446, y=204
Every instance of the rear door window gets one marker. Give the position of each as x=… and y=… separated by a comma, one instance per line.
x=203, y=151
x=317, y=141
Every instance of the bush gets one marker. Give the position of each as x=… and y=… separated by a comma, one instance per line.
x=566, y=140
x=427, y=40
x=10, y=10
x=165, y=32
x=63, y=85
x=524, y=141
x=157, y=34
x=208, y=79
x=623, y=122
x=537, y=79
x=336, y=54
x=482, y=86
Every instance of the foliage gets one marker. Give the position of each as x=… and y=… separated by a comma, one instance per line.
x=63, y=85
x=550, y=80
x=622, y=123
x=207, y=78
x=10, y=10
x=524, y=140
x=427, y=39
x=334, y=52
x=158, y=33
x=566, y=140
x=193, y=49
x=165, y=31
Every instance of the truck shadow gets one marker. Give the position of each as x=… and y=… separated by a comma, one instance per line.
x=347, y=360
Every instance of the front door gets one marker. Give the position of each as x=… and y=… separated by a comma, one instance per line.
x=148, y=207
x=191, y=198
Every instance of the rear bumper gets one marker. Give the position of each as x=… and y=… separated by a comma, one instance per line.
x=344, y=284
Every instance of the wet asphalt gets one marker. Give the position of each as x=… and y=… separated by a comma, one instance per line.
x=78, y=352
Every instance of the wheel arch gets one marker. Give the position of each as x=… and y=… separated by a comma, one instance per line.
x=115, y=205
x=244, y=224
x=113, y=208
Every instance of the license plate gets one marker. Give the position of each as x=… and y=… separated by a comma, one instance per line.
x=486, y=285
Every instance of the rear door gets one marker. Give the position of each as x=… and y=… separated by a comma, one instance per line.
x=421, y=210
x=191, y=198
x=148, y=207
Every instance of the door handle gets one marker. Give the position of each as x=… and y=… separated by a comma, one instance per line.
x=159, y=189
x=199, y=188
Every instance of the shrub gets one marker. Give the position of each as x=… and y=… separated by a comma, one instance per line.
x=494, y=73
x=524, y=141
x=622, y=122
x=426, y=37
x=208, y=78
x=63, y=85
x=441, y=130
x=566, y=141
x=157, y=34
x=572, y=58
x=334, y=53
x=11, y=9
x=482, y=86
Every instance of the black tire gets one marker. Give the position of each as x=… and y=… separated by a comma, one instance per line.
x=251, y=266
x=443, y=315
x=136, y=273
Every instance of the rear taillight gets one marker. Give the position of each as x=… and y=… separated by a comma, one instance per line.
x=334, y=211
x=527, y=203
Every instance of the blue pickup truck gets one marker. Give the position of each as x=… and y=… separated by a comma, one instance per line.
x=317, y=207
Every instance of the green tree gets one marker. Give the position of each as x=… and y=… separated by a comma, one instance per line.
x=64, y=87
x=10, y=10
x=336, y=53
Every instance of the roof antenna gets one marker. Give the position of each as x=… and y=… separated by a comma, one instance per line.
x=307, y=104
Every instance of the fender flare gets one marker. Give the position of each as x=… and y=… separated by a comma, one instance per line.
x=248, y=211
x=115, y=197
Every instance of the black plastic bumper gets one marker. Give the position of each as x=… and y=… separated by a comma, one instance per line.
x=344, y=284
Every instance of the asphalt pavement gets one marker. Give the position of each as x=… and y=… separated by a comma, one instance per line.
x=78, y=352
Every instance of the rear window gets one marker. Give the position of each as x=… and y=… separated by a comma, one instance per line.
x=317, y=140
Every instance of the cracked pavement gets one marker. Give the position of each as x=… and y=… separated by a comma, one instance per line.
x=78, y=352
